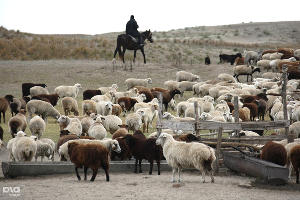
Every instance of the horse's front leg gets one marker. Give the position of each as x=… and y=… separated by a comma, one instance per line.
x=142, y=50
x=134, y=56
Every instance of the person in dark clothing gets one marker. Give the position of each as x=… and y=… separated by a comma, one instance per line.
x=207, y=60
x=131, y=29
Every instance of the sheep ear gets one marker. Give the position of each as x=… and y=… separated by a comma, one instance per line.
x=102, y=118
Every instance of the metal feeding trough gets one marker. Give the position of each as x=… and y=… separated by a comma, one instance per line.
x=269, y=172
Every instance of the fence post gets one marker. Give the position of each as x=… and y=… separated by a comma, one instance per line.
x=236, y=112
x=196, y=117
x=160, y=111
x=284, y=103
x=220, y=131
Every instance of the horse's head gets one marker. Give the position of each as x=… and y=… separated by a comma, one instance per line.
x=148, y=35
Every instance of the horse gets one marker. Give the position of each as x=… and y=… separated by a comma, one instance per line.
x=130, y=43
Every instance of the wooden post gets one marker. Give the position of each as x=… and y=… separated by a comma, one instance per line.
x=236, y=112
x=196, y=117
x=160, y=112
x=284, y=103
x=218, y=148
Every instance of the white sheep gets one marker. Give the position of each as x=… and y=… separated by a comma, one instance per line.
x=42, y=108
x=86, y=123
x=181, y=155
x=204, y=89
x=11, y=143
x=214, y=116
x=111, y=123
x=110, y=144
x=182, y=106
x=185, y=86
x=68, y=91
x=73, y=125
x=51, y=143
x=171, y=85
x=97, y=130
x=246, y=133
x=147, y=115
x=37, y=90
x=105, y=90
x=105, y=97
x=186, y=76
x=133, y=121
x=24, y=148
x=140, y=98
x=88, y=107
x=294, y=129
x=208, y=104
x=264, y=64
x=226, y=77
x=132, y=82
x=69, y=105
x=244, y=70
x=169, y=116
x=43, y=149
x=266, y=56
x=196, y=88
x=133, y=92
x=251, y=56
x=276, y=55
x=37, y=126
x=271, y=75
x=104, y=108
x=139, y=105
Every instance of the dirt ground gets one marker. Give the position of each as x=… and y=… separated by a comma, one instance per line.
x=144, y=186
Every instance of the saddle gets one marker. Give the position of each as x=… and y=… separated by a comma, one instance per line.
x=133, y=38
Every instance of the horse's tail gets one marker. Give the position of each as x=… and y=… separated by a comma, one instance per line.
x=118, y=49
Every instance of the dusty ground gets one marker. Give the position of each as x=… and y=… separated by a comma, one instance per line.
x=144, y=186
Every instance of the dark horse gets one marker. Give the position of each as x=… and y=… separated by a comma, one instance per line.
x=130, y=43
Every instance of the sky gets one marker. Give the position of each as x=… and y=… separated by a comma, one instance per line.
x=102, y=16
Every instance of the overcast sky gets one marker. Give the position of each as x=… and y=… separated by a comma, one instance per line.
x=101, y=16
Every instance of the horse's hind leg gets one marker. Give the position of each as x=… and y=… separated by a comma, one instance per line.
x=123, y=56
x=134, y=56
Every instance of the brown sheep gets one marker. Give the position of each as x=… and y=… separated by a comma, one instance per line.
x=252, y=98
x=274, y=152
x=239, y=61
x=125, y=150
x=287, y=52
x=253, y=110
x=186, y=137
x=91, y=156
x=121, y=132
x=146, y=91
x=231, y=106
x=295, y=159
x=167, y=95
x=244, y=114
x=4, y=104
x=50, y=98
x=127, y=103
x=116, y=110
x=17, y=123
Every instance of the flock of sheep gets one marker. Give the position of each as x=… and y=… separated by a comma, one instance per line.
x=87, y=134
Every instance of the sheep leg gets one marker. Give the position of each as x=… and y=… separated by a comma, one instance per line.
x=106, y=173
x=151, y=167
x=203, y=176
x=85, y=172
x=211, y=176
x=95, y=171
x=297, y=176
x=140, y=166
x=173, y=175
x=179, y=170
x=158, y=167
x=77, y=174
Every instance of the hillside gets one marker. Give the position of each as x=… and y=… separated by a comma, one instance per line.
x=192, y=43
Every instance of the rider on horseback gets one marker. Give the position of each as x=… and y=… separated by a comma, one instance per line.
x=131, y=29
